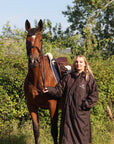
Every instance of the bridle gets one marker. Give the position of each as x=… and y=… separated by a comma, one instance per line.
x=39, y=61
x=34, y=46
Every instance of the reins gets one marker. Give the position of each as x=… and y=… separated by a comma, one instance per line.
x=34, y=87
x=43, y=76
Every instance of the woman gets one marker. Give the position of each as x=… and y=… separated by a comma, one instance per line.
x=80, y=94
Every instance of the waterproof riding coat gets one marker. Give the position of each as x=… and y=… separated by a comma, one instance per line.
x=79, y=96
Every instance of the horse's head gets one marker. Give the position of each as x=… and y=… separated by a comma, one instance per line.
x=34, y=43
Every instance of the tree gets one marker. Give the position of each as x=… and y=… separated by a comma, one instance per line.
x=94, y=20
x=15, y=33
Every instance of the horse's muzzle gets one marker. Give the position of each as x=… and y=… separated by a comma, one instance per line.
x=33, y=61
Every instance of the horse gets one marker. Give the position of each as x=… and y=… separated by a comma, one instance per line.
x=39, y=76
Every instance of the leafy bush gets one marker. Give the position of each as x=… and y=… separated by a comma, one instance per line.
x=12, y=75
x=13, y=70
x=102, y=125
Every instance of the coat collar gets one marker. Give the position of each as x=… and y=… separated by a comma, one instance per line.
x=81, y=75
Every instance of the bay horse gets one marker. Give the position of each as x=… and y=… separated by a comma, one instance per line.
x=39, y=76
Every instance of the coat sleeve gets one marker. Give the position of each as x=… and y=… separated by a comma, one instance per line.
x=92, y=95
x=58, y=90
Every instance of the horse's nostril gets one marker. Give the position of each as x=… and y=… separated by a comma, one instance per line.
x=33, y=61
x=36, y=61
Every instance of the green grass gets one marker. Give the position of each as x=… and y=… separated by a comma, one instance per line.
x=24, y=135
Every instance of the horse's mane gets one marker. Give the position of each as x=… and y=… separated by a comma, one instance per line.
x=49, y=55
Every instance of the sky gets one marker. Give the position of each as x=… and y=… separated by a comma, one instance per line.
x=17, y=11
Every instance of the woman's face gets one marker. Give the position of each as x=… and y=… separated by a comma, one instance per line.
x=79, y=64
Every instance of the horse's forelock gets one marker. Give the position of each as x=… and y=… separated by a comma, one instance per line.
x=33, y=31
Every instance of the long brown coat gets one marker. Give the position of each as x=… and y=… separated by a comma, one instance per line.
x=79, y=95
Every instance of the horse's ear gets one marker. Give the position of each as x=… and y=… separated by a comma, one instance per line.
x=27, y=25
x=40, y=26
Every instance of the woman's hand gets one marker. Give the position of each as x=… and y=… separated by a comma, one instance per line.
x=45, y=90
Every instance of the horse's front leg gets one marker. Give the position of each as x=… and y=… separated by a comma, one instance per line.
x=35, y=126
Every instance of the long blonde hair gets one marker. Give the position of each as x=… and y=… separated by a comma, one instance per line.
x=87, y=68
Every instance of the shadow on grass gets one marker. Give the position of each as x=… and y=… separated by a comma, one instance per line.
x=21, y=139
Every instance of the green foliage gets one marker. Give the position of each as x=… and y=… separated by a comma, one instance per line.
x=104, y=73
x=24, y=134
x=94, y=21
x=13, y=70
x=12, y=74
x=101, y=123
x=16, y=33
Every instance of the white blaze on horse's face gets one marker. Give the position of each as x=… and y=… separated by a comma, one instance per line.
x=33, y=37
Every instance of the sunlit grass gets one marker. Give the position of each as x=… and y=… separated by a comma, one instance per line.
x=23, y=134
